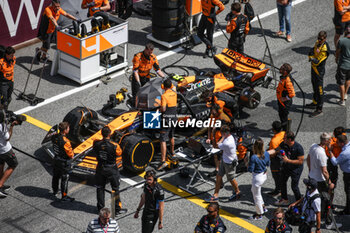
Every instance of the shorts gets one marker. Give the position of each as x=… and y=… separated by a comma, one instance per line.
x=342, y=76
x=10, y=158
x=47, y=40
x=228, y=169
x=166, y=133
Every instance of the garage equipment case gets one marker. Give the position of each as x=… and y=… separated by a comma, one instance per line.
x=97, y=54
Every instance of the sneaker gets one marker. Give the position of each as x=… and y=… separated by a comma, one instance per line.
x=213, y=173
x=345, y=97
x=265, y=210
x=255, y=217
x=316, y=113
x=343, y=213
x=38, y=56
x=234, y=197
x=274, y=193
x=282, y=202
x=162, y=166
x=6, y=188
x=121, y=211
x=311, y=105
x=289, y=38
x=333, y=226
x=211, y=199
x=279, y=34
x=341, y=102
x=3, y=193
x=67, y=198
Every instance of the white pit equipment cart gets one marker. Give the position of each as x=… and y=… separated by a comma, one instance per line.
x=97, y=54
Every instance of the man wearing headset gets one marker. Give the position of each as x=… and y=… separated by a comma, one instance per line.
x=108, y=156
x=153, y=199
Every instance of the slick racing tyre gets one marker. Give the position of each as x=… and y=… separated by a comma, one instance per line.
x=138, y=152
x=169, y=34
x=79, y=124
x=168, y=18
x=167, y=4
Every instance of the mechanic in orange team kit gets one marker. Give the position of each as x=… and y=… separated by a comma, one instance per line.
x=142, y=65
x=285, y=93
x=341, y=18
x=95, y=6
x=168, y=108
x=207, y=23
x=61, y=164
x=238, y=26
x=7, y=65
x=48, y=24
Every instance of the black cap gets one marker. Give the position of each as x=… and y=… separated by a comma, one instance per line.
x=310, y=182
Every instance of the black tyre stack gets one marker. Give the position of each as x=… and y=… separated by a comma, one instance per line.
x=167, y=19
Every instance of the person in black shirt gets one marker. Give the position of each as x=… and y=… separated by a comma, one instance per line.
x=107, y=154
x=293, y=157
x=61, y=163
x=211, y=223
x=153, y=199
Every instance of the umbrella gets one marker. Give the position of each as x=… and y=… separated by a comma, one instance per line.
x=149, y=96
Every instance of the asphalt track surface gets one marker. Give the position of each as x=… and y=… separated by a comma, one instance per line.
x=29, y=206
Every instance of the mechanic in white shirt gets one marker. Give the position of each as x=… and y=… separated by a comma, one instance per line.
x=227, y=165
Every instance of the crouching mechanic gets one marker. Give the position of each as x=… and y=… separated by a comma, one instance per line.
x=7, y=66
x=6, y=154
x=153, y=200
x=108, y=156
x=310, y=206
x=48, y=24
x=211, y=223
x=61, y=163
x=95, y=6
x=142, y=65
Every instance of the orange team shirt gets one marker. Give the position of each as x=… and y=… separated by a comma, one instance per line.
x=98, y=3
x=232, y=26
x=208, y=7
x=144, y=65
x=276, y=140
x=169, y=100
x=336, y=149
x=339, y=4
x=7, y=69
x=49, y=12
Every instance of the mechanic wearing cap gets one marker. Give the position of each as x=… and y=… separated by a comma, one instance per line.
x=104, y=223
x=207, y=23
x=108, y=154
x=142, y=65
x=317, y=164
x=211, y=223
x=7, y=66
x=343, y=161
x=311, y=206
x=95, y=6
x=341, y=18
x=238, y=26
x=61, y=163
x=342, y=58
x=292, y=154
x=153, y=200
x=6, y=154
x=48, y=24
x=318, y=56
x=168, y=108
x=278, y=224
x=285, y=93
x=276, y=162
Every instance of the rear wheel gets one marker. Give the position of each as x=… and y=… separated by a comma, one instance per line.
x=138, y=152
